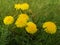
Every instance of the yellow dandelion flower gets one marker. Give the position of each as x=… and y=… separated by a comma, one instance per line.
x=24, y=6
x=23, y=16
x=31, y=28
x=22, y=20
x=18, y=6
x=8, y=20
x=50, y=27
x=20, y=23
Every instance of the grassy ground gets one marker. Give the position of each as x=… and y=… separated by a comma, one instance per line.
x=43, y=10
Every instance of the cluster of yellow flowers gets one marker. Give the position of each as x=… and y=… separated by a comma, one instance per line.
x=23, y=6
x=23, y=21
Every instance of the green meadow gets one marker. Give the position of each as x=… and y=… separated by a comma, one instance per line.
x=40, y=11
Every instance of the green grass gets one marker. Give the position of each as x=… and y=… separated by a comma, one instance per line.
x=42, y=10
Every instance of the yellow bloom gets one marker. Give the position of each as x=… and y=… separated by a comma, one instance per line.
x=23, y=16
x=18, y=6
x=8, y=20
x=20, y=23
x=24, y=6
x=50, y=27
x=22, y=20
x=31, y=28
